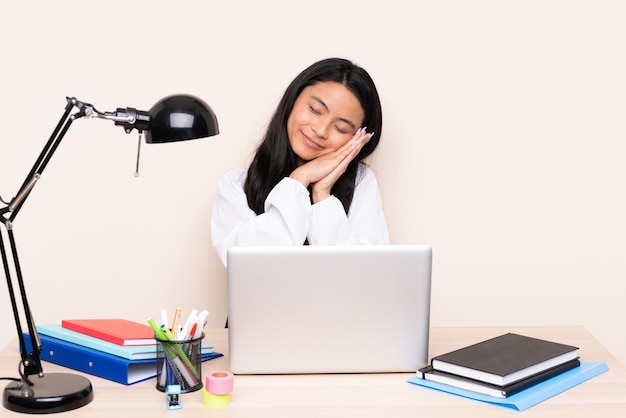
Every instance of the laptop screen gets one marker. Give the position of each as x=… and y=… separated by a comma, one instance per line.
x=328, y=309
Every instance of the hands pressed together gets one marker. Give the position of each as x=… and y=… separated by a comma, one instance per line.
x=323, y=171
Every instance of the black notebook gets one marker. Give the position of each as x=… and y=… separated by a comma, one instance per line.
x=506, y=359
x=429, y=373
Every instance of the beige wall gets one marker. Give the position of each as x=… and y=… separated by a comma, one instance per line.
x=503, y=147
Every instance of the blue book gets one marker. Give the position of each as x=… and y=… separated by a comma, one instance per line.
x=528, y=397
x=130, y=352
x=99, y=363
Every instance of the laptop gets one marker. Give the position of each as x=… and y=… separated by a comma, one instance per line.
x=328, y=309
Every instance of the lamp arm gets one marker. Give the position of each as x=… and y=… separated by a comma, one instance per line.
x=40, y=164
x=130, y=119
x=30, y=361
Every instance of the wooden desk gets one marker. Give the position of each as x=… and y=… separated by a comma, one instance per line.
x=368, y=395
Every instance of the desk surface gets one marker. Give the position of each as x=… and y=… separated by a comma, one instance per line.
x=368, y=395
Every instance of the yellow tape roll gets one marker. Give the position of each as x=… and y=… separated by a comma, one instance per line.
x=214, y=401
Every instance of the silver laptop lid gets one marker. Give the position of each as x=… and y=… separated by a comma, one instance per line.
x=328, y=309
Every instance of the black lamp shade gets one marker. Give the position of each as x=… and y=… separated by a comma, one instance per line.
x=179, y=118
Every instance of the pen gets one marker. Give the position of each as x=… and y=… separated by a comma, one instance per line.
x=201, y=322
x=174, y=327
x=192, y=333
x=157, y=330
x=164, y=320
x=192, y=350
x=163, y=376
x=202, y=317
x=184, y=332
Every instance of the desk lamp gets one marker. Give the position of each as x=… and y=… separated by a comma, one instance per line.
x=174, y=118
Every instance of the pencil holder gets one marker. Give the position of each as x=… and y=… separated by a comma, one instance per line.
x=179, y=363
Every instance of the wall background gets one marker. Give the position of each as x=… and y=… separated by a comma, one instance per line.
x=503, y=148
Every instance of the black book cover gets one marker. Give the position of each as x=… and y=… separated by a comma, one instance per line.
x=505, y=359
x=429, y=373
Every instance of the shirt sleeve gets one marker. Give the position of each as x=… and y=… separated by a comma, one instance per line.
x=364, y=224
x=285, y=222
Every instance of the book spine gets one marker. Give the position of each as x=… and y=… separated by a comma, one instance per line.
x=540, y=377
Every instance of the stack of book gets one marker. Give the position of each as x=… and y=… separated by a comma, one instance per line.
x=115, y=349
x=511, y=371
x=502, y=366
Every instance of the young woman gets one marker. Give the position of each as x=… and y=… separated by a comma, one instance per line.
x=307, y=183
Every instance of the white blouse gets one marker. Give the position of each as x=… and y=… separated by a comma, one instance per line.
x=290, y=218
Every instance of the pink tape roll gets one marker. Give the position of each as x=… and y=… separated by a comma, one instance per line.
x=219, y=382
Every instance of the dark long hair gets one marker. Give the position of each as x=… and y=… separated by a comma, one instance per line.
x=274, y=158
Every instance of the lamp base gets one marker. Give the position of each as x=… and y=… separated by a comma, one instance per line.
x=54, y=392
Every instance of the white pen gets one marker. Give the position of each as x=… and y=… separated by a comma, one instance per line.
x=184, y=332
x=164, y=320
x=201, y=322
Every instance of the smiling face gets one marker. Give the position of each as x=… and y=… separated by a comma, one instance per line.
x=324, y=117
